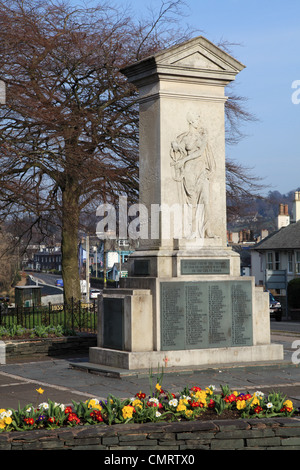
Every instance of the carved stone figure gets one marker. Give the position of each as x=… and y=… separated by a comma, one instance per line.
x=193, y=164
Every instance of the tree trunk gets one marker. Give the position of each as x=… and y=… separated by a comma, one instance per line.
x=69, y=243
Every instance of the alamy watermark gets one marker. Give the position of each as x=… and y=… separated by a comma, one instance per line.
x=296, y=354
x=296, y=93
x=158, y=221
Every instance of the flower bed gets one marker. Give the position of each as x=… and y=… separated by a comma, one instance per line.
x=160, y=406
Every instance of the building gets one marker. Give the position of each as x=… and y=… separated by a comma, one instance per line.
x=48, y=259
x=278, y=255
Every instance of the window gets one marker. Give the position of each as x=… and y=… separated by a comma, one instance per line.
x=297, y=263
x=290, y=262
x=277, y=260
x=270, y=261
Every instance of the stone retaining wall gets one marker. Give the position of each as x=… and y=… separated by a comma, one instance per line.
x=49, y=346
x=170, y=438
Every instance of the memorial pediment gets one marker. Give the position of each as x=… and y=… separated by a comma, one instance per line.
x=199, y=53
x=197, y=57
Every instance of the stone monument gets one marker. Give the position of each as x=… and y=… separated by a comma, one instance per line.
x=184, y=302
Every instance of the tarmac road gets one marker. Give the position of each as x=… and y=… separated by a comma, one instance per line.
x=64, y=381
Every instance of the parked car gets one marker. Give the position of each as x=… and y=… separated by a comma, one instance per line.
x=94, y=293
x=275, y=308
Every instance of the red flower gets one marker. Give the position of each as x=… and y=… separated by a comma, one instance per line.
x=247, y=396
x=140, y=395
x=257, y=409
x=195, y=404
x=286, y=408
x=73, y=418
x=196, y=389
x=96, y=415
x=29, y=421
x=51, y=419
x=230, y=398
x=68, y=409
x=153, y=404
x=211, y=403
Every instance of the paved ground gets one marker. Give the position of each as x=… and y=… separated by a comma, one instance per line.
x=64, y=383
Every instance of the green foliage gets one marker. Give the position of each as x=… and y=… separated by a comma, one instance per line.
x=39, y=331
x=166, y=407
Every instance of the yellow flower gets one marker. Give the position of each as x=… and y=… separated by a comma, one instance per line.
x=241, y=404
x=235, y=393
x=181, y=406
x=255, y=401
x=2, y=424
x=288, y=404
x=201, y=394
x=7, y=420
x=188, y=413
x=158, y=387
x=137, y=403
x=94, y=403
x=183, y=401
x=127, y=411
x=40, y=390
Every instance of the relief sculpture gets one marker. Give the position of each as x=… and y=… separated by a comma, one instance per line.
x=193, y=165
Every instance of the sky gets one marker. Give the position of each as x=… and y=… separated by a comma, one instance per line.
x=268, y=37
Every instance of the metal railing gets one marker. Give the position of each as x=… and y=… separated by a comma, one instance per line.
x=74, y=316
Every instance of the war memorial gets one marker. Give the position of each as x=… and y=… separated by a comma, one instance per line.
x=184, y=302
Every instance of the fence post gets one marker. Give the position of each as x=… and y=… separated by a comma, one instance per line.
x=79, y=314
x=33, y=322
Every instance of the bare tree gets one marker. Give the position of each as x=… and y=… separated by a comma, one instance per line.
x=68, y=134
x=69, y=130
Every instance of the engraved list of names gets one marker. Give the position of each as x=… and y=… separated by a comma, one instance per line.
x=205, y=314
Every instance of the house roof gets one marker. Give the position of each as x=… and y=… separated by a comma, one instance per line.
x=287, y=238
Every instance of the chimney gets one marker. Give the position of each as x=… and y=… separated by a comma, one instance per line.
x=283, y=218
x=296, y=207
x=286, y=209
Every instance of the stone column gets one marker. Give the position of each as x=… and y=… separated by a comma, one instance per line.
x=182, y=142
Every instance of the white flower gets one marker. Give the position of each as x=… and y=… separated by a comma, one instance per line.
x=157, y=414
x=154, y=400
x=269, y=405
x=5, y=414
x=258, y=394
x=184, y=397
x=173, y=402
x=43, y=406
x=29, y=409
x=212, y=387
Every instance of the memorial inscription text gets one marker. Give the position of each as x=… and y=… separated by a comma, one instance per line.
x=205, y=314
